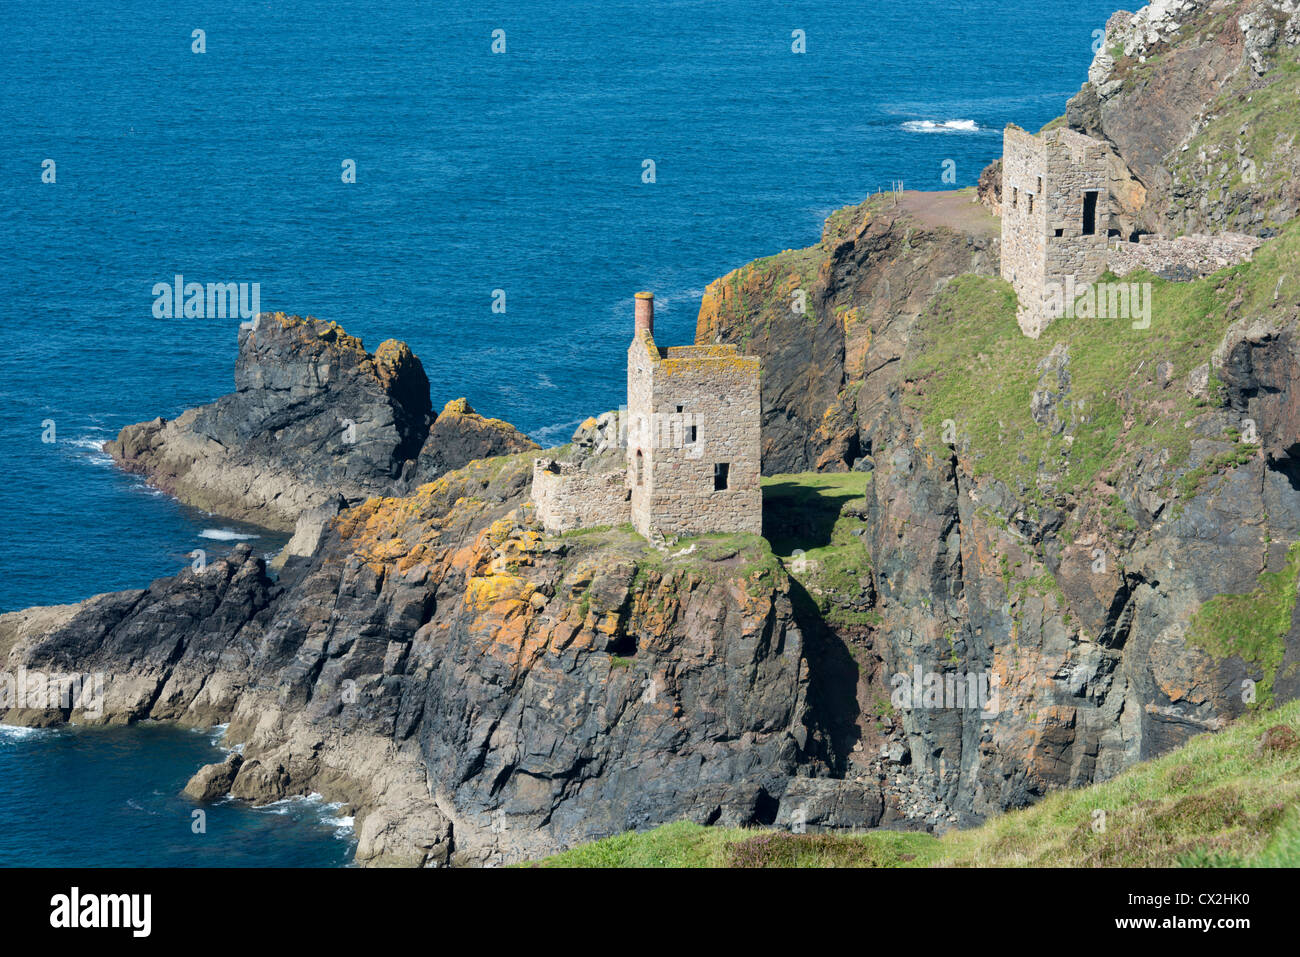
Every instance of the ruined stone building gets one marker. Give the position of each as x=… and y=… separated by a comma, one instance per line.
x=1055, y=219
x=689, y=446
x=1058, y=228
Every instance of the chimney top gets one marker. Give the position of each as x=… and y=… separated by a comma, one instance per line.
x=645, y=313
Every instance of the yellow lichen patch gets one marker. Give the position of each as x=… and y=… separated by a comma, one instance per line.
x=733, y=362
x=459, y=406
x=499, y=531
x=485, y=591
x=390, y=550
x=419, y=555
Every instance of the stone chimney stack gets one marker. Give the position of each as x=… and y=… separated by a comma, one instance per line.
x=645, y=313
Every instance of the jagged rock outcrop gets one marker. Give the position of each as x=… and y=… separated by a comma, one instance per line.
x=214, y=781
x=1195, y=96
x=313, y=416
x=989, y=188
x=459, y=435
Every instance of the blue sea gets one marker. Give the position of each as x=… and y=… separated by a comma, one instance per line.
x=522, y=171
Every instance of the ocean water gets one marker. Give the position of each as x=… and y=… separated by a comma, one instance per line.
x=99, y=797
x=476, y=171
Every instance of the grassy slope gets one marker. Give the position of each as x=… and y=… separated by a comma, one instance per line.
x=974, y=368
x=1252, y=626
x=1231, y=798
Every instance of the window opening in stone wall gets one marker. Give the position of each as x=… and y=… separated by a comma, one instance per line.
x=1060, y=232
x=1031, y=203
x=640, y=467
x=1040, y=186
x=720, y=470
x=1090, y=213
x=1015, y=197
x=691, y=434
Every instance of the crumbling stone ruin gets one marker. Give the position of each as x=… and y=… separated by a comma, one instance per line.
x=1184, y=257
x=689, y=444
x=1058, y=234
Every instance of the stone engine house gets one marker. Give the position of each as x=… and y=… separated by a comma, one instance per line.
x=692, y=446
x=1055, y=219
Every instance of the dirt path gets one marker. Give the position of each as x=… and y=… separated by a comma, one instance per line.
x=956, y=209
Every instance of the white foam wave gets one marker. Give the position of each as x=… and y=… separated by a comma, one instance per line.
x=13, y=732
x=327, y=812
x=557, y=434
x=94, y=447
x=947, y=126
x=226, y=535
x=342, y=824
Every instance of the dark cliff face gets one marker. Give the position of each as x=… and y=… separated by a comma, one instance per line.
x=480, y=692
x=313, y=416
x=310, y=398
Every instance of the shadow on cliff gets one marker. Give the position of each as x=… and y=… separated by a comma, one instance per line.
x=800, y=516
x=833, y=676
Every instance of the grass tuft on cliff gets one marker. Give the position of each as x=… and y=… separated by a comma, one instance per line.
x=1228, y=799
x=1253, y=626
x=816, y=523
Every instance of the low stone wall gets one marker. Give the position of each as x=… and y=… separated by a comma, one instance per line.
x=570, y=495
x=1187, y=257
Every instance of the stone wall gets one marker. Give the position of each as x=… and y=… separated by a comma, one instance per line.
x=1045, y=181
x=1183, y=258
x=715, y=391
x=579, y=495
x=1024, y=234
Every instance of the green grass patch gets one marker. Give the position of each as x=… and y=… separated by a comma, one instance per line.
x=975, y=373
x=816, y=522
x=1252, y=626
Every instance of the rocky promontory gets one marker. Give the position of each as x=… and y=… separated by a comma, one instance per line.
x=478, y=692
x=313, y=417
